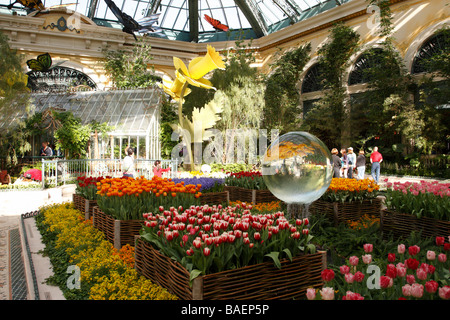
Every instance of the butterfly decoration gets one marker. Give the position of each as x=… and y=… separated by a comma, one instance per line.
x=42, y=63
x=30, y=4
x=216, y=24
x=130, y=25
x=37, y=5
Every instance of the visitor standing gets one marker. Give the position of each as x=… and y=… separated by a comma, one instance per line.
x=336, y=163
x=361, y=165
x=128, y=164
x=46, y=151
x=351, y=162
x=375, y=159
x=157, y=170
x=344, y=163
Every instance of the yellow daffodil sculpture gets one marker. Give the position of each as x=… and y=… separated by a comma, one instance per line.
x=178, y=89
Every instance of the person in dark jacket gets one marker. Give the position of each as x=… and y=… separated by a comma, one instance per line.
x=361, y=164
x=336, y=162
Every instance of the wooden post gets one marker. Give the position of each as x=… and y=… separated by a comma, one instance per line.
x=117, y=234
x=324, y=258
x=86, y=209
x=197, y=288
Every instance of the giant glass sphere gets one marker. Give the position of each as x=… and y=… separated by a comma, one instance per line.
x=297, y=168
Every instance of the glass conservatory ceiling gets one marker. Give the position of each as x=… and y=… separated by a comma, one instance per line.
x=185, y=19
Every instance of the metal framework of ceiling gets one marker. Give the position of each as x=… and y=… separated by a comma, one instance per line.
x=184, y=19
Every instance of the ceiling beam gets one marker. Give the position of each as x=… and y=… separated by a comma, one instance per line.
x=253, y=15
x=193, y=20
x=92, y=9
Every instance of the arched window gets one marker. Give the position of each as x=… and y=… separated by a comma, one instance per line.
x=312, y=81
x=58, y=79
x=437, y=44
x=365, y=61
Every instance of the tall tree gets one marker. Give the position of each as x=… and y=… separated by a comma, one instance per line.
x=130, y=69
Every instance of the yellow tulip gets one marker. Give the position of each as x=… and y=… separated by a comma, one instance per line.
x=174, y=88
x=198, y=67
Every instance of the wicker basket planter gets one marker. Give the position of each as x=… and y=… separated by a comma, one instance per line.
x=248, y=195
x=402, y=224
x=215, y=198
x=261, y=281
x=78, y=202
x=118, y=232
x=347, y=211
x=84, y=205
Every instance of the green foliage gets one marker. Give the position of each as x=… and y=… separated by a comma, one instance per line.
x=14, y=96
x=73, y=136
x=130, y=69
x=327, y=117
x=168, y=117
x=282, y=94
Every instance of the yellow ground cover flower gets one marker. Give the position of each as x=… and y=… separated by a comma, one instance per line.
x=108, y=272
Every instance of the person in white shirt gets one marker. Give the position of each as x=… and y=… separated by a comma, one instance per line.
x=128, y=164
x=351, y=162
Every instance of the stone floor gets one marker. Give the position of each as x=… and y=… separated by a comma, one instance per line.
x=19, y=202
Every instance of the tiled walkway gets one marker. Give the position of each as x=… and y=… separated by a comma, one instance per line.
x=14, y=262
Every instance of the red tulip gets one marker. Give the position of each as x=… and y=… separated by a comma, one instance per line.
x=440, y=241
x=257, y=236
x=206, y=251
x=327, y=275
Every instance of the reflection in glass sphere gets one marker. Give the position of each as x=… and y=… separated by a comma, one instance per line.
x=297, y=168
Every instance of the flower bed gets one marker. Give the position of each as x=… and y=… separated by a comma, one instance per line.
x=252, y=180
x=128, y=198
x=348, y=200
x=85, y=196
x=423, y=207
x=259, y=281
x=212, y=189
x=211, y=240
x=416, y=273
x=106, y=273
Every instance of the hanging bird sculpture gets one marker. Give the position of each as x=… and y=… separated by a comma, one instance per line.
x=130, y=25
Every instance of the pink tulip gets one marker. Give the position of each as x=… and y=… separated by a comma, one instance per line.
x=417, y=290
x=344, y=269
x=367, y=258
x=406, y=290
x=431, y=255
x=401, y=272
x=401, y=248
x=311, y=293
x=368, y=248
x=349, y=277
x=354, y=260
x=352, y=296
x=410, y=279
x=421, y=273
x=444, y=292
x=327, y=293
x=442, y=257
